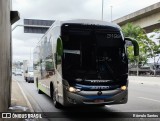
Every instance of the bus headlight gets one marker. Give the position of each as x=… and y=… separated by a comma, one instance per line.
x=72, y=89
x=123, y=88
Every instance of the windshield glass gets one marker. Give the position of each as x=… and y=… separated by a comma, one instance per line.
x=18, y=70
x=95, y=55
x=30, y=69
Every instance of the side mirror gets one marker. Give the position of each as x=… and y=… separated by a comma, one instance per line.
x=135, y=44
x=26, y=71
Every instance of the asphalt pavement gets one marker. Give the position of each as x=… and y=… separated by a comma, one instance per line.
x=144, y=96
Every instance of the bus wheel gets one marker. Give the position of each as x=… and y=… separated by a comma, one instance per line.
x=39, y=91
x=56, y=104
x=36, y=82
x=26, y=79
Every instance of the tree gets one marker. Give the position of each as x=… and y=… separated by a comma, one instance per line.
x=156, y=48
x=147, y=47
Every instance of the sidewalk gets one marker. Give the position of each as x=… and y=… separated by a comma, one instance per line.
x=18, y=101
x=17, y=98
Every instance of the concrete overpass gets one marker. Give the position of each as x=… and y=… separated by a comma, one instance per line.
x=148, y=18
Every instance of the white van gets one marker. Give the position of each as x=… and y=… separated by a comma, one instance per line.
x=28, y=71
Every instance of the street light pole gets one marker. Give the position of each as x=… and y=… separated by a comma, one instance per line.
x=111, y=13
x=38, y=26
x=102, y=9
x=30, y=54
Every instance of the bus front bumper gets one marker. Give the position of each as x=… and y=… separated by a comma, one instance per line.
x=93, y=98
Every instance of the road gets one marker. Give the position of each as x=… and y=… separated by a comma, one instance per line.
x=144, y=96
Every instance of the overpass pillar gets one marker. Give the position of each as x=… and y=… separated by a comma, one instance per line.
x=5, y=55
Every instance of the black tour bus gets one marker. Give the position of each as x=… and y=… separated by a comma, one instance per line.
x=83, y=62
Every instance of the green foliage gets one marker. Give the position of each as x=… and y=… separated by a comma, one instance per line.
x=156, y=48
x=147, y=47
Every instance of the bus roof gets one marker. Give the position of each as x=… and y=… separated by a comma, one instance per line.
x=83, y=22
x=90, y=22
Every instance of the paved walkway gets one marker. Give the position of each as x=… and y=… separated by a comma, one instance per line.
x=17, y=97
x=18, y=101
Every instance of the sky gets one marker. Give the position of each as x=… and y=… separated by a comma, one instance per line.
x=23, y=44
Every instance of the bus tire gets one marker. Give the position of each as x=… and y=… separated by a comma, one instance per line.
x=26, y=79
x=39, y=91
x=53, y=97
x=56, y=104
x=36, y=82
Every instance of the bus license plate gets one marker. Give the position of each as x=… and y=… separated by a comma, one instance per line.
x=99, y=101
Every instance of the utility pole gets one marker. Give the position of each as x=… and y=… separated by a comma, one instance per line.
x=35, y=26
x=102, y=9
x=30, y=54
x=111, y=13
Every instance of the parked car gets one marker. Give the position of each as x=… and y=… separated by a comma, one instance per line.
x=13, y=70
x=155, y=69
x=22, y=70
x=18, y=72
x=28, y=71
x=142, y=69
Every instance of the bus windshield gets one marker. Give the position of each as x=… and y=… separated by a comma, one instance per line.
x=94, y=55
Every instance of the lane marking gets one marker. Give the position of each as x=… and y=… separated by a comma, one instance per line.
x=149, y=99
x=28, y=103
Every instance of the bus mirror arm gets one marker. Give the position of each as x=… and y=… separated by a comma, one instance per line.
x=135, y=44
